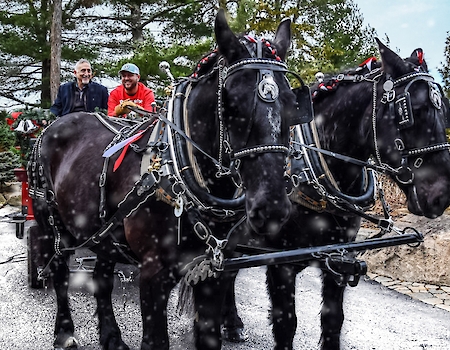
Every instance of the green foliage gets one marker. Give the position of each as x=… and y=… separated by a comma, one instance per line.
x=7, y=137
x=39, y=115
x=445, y=69
x=328, y=35
x=189, y=21
x=8, y=162
x=9, y=159
x=22, y=141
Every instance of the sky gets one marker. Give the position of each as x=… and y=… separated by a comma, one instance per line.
x=411, y=24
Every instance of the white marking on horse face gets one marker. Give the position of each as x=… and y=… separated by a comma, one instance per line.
x=275, y=123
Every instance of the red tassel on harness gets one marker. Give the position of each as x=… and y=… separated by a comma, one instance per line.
x=368, y=63
x=125, y=148
x=420, y=56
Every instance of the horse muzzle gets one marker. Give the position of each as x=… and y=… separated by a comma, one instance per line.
x=268, y=216
x=430, y=202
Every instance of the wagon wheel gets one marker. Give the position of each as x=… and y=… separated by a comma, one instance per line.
x=34, y=258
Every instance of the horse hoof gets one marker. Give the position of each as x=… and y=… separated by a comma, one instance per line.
x=235, y=335
x=64, y=344
x=115, y=344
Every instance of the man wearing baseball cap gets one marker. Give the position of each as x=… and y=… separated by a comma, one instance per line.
x=131, y=89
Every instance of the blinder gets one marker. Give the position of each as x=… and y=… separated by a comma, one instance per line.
x=403, y=111
x=304, y=110
x=402, y=104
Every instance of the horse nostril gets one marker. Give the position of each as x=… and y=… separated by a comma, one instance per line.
x=256, y=221
x=438, y=205
x=264, y=223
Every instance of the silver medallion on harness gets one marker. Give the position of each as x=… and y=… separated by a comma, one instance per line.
x=268, y=89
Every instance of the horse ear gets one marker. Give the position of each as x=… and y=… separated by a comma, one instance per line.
x=282, y=39
x=229, y=45
x=393, y=64
x=417, y=58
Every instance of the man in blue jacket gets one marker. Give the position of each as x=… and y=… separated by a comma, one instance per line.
x=81, y=94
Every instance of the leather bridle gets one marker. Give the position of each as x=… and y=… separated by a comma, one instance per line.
x=266, y=83
x=399, y=106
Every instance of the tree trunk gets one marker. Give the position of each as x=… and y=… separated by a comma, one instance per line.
x=136, y=23
x=46, y=100
x=55, y=42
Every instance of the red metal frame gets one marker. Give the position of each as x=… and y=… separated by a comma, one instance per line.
x=27, y=205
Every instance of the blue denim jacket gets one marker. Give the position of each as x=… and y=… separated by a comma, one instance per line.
x=96, y=96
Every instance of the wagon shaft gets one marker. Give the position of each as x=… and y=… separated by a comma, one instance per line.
x=261, y=257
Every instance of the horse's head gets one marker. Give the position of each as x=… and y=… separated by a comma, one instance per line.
x=256, y=105
x=410, y=132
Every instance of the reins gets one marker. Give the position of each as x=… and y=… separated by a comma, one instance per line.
x=336, y=197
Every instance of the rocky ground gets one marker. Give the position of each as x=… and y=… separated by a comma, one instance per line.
x=427, y=263
x=10, y=194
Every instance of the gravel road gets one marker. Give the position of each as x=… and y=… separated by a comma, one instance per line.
x=377, y=318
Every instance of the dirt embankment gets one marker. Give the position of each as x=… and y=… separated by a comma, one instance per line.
x=427, y=263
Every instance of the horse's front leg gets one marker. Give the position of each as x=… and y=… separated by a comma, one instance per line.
x=110, y=336
x=232, y=325
x=155, y=291
x=281, y=285
x=209, y=297
x=64, y=328
x=332, y=314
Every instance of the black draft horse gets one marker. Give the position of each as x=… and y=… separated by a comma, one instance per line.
x=238, y=102
x=405, y=133
x=396, y=115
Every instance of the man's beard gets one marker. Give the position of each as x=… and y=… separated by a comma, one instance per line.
x=130, y=86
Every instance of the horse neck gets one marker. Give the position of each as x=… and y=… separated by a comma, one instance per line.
x=344, y=125
x=203, y=120
x=204, y=127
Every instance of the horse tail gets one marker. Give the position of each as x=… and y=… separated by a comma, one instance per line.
x=186, y=304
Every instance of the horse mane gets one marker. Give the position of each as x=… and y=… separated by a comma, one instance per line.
x=368, y=68
x=205, y=64
x=329, y=84
x=208, y=61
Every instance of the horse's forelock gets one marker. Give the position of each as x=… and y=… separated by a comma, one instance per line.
x=270, y=49
x=207, y=62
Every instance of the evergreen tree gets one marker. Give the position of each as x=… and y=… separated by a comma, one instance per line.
x=327, y=35
x=9, y=160
x=445, y=69
x=25, y=47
